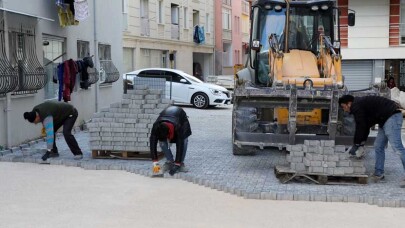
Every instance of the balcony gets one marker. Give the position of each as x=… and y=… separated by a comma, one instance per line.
x=226, y=34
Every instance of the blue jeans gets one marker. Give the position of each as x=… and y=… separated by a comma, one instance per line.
x=165, y=146
x=391, y=132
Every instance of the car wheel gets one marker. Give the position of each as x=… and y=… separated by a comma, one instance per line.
x=200, y=100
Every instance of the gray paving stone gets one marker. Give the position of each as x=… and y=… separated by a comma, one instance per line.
x=56, y=161
x=301, y=197
x=74, y=163
x=269, y=195
x=5, y=152
x=353, y=199
x=321, y=198
x=285, y=196
x=15, y=149
x=29, y=160
x=252, y=196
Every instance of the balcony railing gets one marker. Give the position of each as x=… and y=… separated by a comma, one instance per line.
x=108, y=71
x=8, y=75
x=31, y=74
x=93, y=75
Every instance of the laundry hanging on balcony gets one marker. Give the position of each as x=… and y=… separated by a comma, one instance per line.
x=67, y=73
x=199, y=34
x=83, y=66
x=67, y=78
x=81, y=10
x=66, y=13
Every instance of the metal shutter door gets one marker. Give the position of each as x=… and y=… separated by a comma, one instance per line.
x=358, y=73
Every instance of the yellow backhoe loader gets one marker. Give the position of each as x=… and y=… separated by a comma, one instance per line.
x=289, y=90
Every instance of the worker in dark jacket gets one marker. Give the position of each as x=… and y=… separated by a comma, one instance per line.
x=371, y=110
x=54, y=115
x=171, y=126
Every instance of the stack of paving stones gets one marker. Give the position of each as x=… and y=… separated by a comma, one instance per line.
x=126, y=125
x=323, y=157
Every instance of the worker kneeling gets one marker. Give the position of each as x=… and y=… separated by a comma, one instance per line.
x=172, y=126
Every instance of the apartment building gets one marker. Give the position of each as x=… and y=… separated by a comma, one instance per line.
x=35, y=37
x=231, y=34
x=175, y=34
x=373, y=49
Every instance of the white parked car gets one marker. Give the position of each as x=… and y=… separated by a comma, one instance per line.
x=185, y=88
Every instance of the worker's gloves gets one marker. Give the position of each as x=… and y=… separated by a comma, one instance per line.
x=156, y=168
x=46, y=155
x=357, y=151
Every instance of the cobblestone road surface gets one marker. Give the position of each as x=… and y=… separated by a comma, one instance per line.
x=212, y=164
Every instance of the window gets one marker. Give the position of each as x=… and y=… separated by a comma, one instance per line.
x=226, y=2
x=53, y=56
x=125, y=14
x=185, y=17
x=83, y=49
x=196, y=18
x=175, y=14
x=227, y=55
x=104, y=52
x=129, y=59
x=245, y=7
x=150, y=73
x=226, y=19
x=144, y=12
x=207, y=23
x=145, y=52
x=23, y=56
x=175, y=77
x=402, y=23
x=160, y=12
x=108, y=72
x=245, y=25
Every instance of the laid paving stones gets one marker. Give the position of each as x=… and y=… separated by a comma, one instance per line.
x=211, y=163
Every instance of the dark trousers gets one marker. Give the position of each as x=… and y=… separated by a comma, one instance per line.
x=68, y=124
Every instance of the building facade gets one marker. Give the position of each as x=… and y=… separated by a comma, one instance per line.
x=373, y=49
x=231, y=34
x=35, y=37
x=174, y=34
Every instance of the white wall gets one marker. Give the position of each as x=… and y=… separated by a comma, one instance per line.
x=372, y=24
x=369, y=38
x=109, y=31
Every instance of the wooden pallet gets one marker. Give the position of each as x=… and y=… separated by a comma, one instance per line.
x=285, y=174
x=128, y=155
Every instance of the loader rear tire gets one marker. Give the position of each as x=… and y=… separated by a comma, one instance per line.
x=244, y=150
